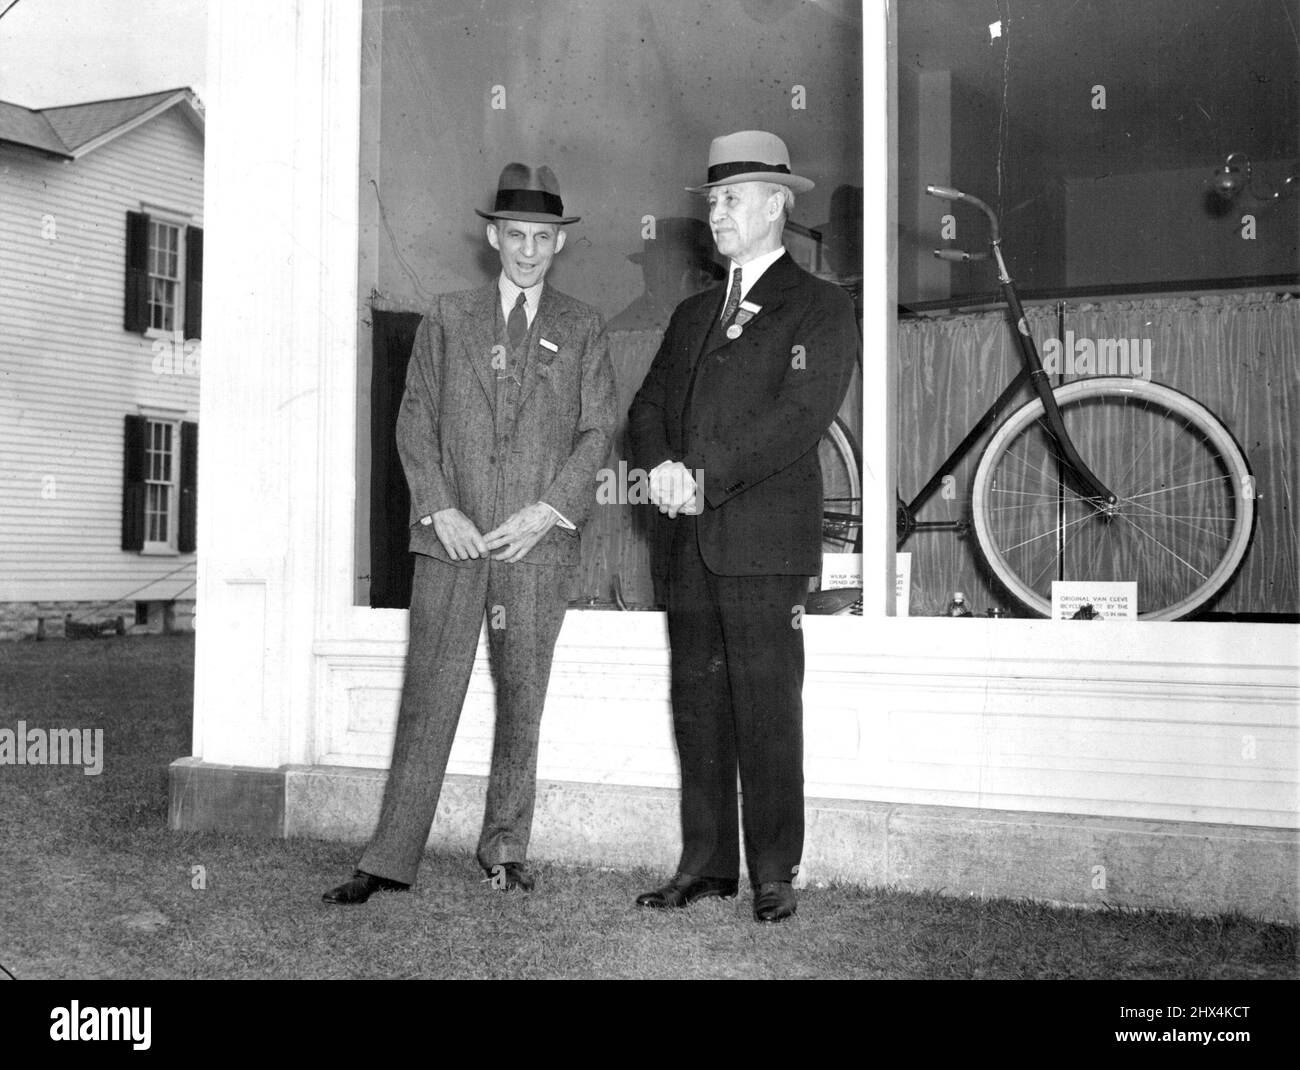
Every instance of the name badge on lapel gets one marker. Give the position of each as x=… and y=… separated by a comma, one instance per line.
x=548, y=345
x=747, y=311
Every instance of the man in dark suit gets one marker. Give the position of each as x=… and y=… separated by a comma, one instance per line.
x=749, y=376
x=508, y=414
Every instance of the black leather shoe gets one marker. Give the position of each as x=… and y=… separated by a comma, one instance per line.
x=685, y=888
x=361, y=887
x=773, y=901
x=509, y=876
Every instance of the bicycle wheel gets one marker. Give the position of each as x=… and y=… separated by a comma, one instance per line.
x=841, y=490
x=1185, y=509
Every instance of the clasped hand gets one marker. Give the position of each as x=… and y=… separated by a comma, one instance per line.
x=673, y=489
x=514, y=538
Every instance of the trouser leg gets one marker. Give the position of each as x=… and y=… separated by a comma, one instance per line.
x=445, y=620
x=762, y=631
x=525, y=610
x=702, y=723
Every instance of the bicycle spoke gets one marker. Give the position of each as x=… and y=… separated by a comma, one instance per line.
x=1180, y=486
x=1045, y=534
x=1172, y=553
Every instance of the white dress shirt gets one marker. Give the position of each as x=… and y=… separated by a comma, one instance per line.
x=753, y=271
x=510, y=294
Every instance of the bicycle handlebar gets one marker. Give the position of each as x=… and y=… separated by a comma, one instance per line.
x=959, y=255
x=947, y=193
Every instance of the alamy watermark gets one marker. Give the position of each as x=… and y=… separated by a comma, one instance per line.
x=1102, y=356
x=54, y=746
x=76, y=1022
x=632, y=486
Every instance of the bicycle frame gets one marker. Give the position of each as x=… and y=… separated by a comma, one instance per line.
x=1071, y=463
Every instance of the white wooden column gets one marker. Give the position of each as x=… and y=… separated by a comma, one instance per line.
x=278, y=381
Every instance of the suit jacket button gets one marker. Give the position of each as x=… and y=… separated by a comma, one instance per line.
x=492, y=458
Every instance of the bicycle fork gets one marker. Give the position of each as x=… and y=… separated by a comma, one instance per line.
x=1092, y=488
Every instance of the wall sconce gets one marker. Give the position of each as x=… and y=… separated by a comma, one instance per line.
x=1235, y=176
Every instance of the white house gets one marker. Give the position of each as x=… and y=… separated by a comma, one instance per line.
x=101, y=252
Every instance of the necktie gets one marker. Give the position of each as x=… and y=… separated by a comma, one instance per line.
x=517, y=324
x=733, y=298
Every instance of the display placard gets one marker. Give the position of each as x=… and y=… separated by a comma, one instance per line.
x=841, y=570
x=902, y=584
x=1094, y=600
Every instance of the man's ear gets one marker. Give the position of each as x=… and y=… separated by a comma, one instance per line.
x=559, y=239
x=494, y=239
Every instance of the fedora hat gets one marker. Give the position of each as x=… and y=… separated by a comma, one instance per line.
x=750, y=156
x=531, y=195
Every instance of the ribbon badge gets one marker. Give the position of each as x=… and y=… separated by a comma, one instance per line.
x=746, y=312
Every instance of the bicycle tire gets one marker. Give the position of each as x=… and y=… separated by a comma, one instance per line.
x=841, y=468
x=1180, y=457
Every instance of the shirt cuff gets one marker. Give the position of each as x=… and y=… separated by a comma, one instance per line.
x=560, y=517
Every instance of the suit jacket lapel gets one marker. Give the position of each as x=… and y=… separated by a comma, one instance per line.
x=769, y=292
x=481, y=337
x=707, y=313
x=549, y=323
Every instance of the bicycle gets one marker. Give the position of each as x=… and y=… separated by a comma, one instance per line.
x=1165, y=497
x=841, y=465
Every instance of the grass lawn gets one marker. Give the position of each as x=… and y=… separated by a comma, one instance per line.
x=95, y=886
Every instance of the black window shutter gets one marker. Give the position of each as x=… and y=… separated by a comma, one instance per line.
x=193, y=282
x=133, y=492
x=136, y=317
x=185, y=537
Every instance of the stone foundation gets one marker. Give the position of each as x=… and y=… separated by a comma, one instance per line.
x=46, y=620
x=1068, y=859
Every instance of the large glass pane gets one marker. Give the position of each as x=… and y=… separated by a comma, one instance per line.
x=622, y=99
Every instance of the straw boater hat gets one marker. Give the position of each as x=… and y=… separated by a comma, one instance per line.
x=531, y=195
x=750, y=156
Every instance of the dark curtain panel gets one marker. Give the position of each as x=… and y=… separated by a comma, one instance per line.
x=391, y=564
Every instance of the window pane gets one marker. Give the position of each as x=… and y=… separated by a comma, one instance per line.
x=152, y=511
x=162, y=304
x=164, y=272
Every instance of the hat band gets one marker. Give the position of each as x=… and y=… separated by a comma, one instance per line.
x=529, y=200
x=720, y=171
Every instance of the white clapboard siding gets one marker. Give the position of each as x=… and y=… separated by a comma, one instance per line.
x=69, y=372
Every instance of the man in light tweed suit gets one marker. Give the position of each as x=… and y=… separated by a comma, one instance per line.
x=508, y=414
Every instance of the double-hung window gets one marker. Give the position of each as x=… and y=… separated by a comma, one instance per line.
x=160, y=484
x=164, y=276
